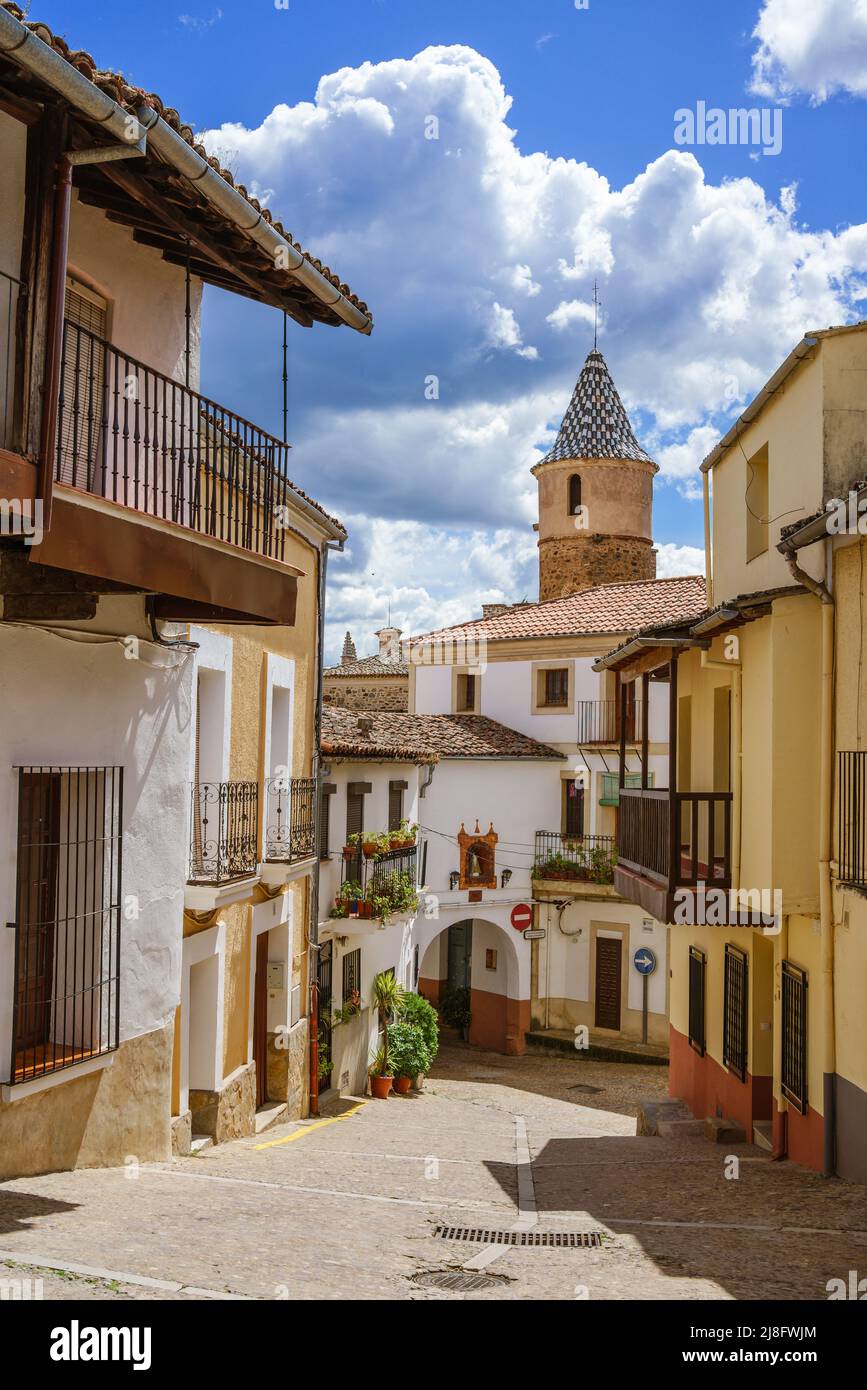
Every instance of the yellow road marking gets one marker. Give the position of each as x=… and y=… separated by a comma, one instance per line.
x=308, y=1129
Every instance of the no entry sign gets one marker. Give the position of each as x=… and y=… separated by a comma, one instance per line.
x=522, y=916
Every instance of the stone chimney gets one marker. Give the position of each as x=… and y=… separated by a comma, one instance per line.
x=493, y=610
x=349, y=654
x=389, y=644
x=365, y=727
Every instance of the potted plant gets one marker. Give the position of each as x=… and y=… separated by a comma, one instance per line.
x=420, y=1012
x=387, y=998
x=455, y=1010
x=409, y=1055
x=350, y=893
x=380, y=1081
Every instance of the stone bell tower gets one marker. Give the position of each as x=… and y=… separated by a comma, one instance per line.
x=595, y=494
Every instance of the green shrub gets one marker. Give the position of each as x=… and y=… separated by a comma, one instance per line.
x=455, y=1009
x=418, y=1011
x=407, y=1052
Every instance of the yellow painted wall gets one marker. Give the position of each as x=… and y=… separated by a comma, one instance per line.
x=804, y=948
x=850, y=908
x=791, y=426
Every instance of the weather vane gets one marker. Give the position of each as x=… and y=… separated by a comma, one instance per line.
x=595, y=314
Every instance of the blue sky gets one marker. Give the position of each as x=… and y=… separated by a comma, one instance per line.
x=555, y=165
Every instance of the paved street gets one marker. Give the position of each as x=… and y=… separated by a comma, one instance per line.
x=348, y=1207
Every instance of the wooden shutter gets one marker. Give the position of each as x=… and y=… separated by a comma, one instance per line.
x=354, y=814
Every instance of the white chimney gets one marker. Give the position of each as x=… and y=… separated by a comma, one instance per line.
x=389, y=644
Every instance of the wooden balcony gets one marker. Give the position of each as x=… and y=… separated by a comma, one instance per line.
x=157, y=488
x=669, y=841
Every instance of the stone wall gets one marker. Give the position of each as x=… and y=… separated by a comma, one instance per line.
x=569, y=564
x=361, y=694
x=99, y=1120
x=229, y=1113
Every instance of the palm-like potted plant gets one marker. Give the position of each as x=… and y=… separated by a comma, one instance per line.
x=386, y=997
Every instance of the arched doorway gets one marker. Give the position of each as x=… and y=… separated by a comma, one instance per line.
x=493, y=963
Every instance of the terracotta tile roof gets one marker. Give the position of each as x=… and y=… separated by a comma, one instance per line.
x=368, y=666
x=607, y=609
x=115, y=85
x=424, y=737
x=596, y=424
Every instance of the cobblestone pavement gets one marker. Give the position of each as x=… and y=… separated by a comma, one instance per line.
x=348, y=1207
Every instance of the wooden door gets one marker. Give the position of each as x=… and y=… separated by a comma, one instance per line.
x=260, y=1019
x=609, y=950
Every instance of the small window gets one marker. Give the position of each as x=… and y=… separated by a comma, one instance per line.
x=466, y=692
x=756, y=502
x=490, y=959
x=574, y=494
x=555, y=687
x=697, y=970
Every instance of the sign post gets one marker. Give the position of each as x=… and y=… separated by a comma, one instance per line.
x=644, y=961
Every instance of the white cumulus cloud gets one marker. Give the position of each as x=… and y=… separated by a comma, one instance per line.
x=816, y=47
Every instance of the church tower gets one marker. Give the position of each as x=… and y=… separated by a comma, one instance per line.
x=595, y=494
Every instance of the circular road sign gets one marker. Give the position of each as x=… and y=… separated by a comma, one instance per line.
x=522, y=916
x=644, y=960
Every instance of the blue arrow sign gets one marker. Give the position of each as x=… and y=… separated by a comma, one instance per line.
x=644, y=961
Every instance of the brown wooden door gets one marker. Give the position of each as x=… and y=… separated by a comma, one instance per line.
x=38, y=822
x=608, y=971
x=260, y=1019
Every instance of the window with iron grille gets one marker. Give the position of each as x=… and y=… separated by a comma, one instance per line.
x=735, y=998
x=67, y=929
x=697, y=973
x=352, y=975
x=793, y=1079
x=852, y=818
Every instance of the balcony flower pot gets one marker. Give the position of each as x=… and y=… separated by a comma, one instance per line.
x=380, y=1086
x=364, y=909
x=403, y=1085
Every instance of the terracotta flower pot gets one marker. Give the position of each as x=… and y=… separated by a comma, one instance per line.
x=403, y=1085
x=380, y=1087
x=365, y=909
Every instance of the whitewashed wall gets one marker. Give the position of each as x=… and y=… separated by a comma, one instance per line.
x=73, y=704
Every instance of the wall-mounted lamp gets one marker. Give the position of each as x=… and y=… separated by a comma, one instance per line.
x=454, y=879
x=505, y=877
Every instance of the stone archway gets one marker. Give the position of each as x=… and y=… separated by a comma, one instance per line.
x=499, y=980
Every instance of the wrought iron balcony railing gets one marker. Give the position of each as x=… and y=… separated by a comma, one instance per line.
x=599, y=722
x=225, y=825
x=290, y=819
x=381, y=870
x=130, y=434
x=580, y=858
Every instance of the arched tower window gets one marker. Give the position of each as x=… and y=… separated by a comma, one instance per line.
x=574, y=494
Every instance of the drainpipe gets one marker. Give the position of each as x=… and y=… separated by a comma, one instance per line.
x=313, y=919
x=826, y=913
x=708, y=556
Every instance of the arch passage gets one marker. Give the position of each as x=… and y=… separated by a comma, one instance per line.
x=486, y=959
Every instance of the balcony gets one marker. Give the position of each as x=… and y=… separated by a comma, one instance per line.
x=163, y=490
x=224, y=832
x=669, y=841
x=600, y=721
x=290, y=819
x=375, y=886
x=582, y=859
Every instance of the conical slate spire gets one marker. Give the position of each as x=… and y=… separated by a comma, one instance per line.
x=349, y=654
x=596, y=424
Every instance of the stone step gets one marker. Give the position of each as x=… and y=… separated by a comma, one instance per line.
x=724, y=1131
x=271, y=1113
x=200, y=1142
x=652, y=1110
x=680, y=1129
x=763, y=1135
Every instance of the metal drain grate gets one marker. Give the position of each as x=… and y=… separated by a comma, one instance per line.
x=458, y=1281
x=562, y=1240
